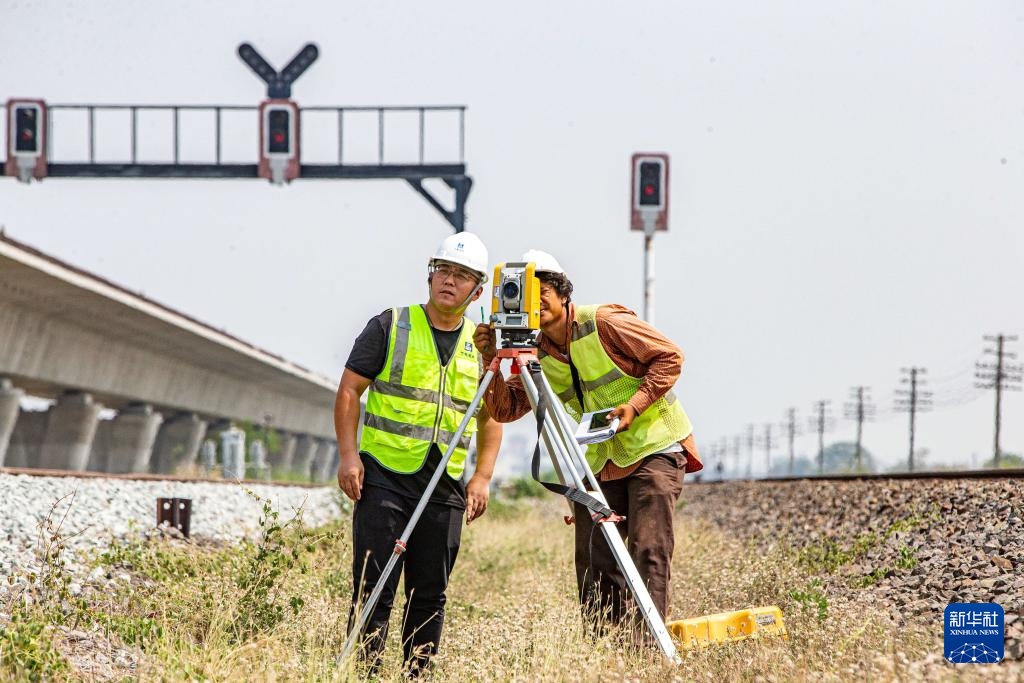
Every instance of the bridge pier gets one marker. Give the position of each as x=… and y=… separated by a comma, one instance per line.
x=177, y=443
x=70, y=427
x=10, y=402
x=23, y=449
x=324, y=463
x=305, y=451
x=281, y=459
x=125, y=444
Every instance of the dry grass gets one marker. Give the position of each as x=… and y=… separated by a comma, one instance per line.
x=512, y=613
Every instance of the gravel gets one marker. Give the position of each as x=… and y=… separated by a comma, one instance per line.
x=924, y=543
x=101, y=510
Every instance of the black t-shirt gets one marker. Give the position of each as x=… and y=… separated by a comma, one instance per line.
x=369, y=353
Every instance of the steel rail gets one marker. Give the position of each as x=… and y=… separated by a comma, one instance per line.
x=142, y=476
x=937, y=474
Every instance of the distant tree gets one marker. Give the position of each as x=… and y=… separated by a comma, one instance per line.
x=1006, y=461
x=271, y=438
x=803, y=466
x=839, y=458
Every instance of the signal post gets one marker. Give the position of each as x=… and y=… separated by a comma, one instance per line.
x=649, y=212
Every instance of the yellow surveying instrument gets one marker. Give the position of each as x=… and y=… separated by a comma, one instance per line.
x=729, y=627
x=515, y=304
x=516, y=313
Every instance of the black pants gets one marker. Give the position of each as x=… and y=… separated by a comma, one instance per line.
x=379, y=518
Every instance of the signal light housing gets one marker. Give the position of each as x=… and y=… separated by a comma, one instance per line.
x=279, y=141
x=649, y=192
x=26, y=139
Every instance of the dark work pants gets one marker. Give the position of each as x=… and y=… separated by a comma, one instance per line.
x=647, y=498
x=378, y=520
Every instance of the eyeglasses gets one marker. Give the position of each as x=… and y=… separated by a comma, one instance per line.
x=460, y=275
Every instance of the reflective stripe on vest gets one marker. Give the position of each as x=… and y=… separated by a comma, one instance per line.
x=415, y=401
x=605, y=385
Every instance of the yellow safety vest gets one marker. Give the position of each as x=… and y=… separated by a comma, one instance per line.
x=605, y=385
x=415, y=401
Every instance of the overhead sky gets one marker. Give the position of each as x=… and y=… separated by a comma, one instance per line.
x=847, y=182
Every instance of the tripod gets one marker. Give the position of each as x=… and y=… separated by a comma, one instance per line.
x=572, y=469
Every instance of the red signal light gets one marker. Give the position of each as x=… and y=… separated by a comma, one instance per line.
x=651, y=177
x=278, y=123
x=27, y=124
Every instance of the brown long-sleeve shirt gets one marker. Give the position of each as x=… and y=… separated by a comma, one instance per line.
x=635, y=346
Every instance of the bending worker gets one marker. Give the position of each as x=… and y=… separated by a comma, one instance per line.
x=599, y=357
x=404, y=356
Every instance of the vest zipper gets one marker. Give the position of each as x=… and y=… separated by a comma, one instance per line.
x=444, y=375
x=440, y=404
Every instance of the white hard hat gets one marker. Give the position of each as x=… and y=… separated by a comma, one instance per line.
x=546, y=263
x=464, y=249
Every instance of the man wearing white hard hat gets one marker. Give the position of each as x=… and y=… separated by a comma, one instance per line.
x=601, y=357
x=402, y=357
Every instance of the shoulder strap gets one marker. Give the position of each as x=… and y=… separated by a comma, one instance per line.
x=577, y=385
x=599, y=511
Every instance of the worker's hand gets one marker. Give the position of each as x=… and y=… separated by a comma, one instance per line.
x=486, y=342
x=626, y=414
x=350, y=474
x=478, y=491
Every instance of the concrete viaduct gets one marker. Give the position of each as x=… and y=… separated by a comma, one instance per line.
x=69, y=335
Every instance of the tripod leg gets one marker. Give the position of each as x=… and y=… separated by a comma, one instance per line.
x=618, y=548
x=559, y=458
x=367, y=609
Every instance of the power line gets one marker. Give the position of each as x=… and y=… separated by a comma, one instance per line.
x=962, y=397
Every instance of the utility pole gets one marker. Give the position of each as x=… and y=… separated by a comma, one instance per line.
x=790, y=427
x=737, y=448
x=723, y=451
x=715, y=456
x=750, y=449
x=860, y=410
x=912, y=400
x=822, y=423
x=1002, y=377
x=767, y=442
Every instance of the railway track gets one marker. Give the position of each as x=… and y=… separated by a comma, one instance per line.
x=141, y=476
x=888, y=476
